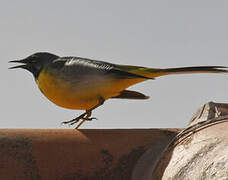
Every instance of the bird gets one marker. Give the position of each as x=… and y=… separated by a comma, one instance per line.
x=79, y=83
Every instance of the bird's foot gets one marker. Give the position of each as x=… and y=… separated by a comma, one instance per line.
x=89, y=118
x=75, y=120
x=85, y=117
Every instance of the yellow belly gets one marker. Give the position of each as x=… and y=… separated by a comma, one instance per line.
x=82, y=96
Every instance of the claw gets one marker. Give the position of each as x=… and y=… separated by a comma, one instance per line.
x=65, y=122
x=90, y=119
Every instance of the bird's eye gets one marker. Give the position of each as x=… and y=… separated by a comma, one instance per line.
x=33, y=59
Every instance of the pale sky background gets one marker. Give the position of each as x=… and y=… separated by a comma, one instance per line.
x=153, y=33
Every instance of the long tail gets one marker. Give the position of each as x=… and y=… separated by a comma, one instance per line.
x=195, y=69
x=152, y=72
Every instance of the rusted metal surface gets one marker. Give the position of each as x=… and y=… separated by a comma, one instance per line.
x=203, y=152
x=78, y=154
x=198, y=152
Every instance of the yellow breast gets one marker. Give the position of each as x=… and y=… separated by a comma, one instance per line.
x=81, y=96
x=60, y=92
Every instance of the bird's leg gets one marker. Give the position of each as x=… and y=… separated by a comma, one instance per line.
x=87, y=118
x=89, y=113
x=86, y=115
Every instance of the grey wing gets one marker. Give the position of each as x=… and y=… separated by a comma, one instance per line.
x=84, y=68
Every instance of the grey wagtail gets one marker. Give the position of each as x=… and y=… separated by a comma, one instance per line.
x=85, y=84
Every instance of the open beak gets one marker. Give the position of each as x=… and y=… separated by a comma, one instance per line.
x=24, y=65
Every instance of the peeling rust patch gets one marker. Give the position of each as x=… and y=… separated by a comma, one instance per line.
x=126, y=163
x=16, y=154
x=120, y=170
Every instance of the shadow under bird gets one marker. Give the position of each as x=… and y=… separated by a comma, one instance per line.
x=85, y=84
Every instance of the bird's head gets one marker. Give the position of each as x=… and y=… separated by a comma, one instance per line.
x=35, y=62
